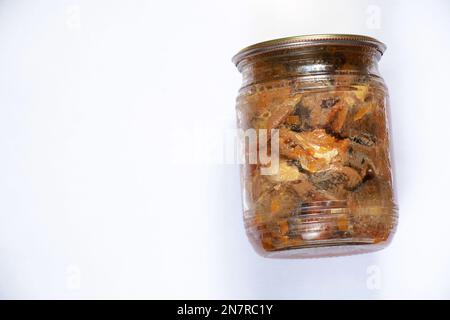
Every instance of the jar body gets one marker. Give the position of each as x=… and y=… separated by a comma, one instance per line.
x=330, y=190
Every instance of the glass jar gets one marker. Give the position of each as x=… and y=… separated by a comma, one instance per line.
x=317, y=177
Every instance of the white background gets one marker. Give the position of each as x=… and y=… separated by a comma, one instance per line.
x=100, y=199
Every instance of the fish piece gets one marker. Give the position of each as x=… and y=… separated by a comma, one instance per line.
x=373, y=193
x=361, y=158
x=280, y=200
x=313, y=110
x=324, y=110
x=308, y=193
x=315, y=150
x=271, y=117
x=368, y=118
x=337, y=118
x=274, y=113
x=337, y=181
x=257, y=109
x=361, y=91
x=286, y=172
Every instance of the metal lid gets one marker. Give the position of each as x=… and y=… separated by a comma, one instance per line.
x=308, y=40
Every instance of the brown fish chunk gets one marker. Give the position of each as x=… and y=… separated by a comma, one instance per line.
x=315, y=150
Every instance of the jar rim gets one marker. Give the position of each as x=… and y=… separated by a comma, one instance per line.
x=306, y=41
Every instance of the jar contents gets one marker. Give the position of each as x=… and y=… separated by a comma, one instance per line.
x=334, y=179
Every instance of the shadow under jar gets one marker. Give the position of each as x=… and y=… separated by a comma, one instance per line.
x=323, y=99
